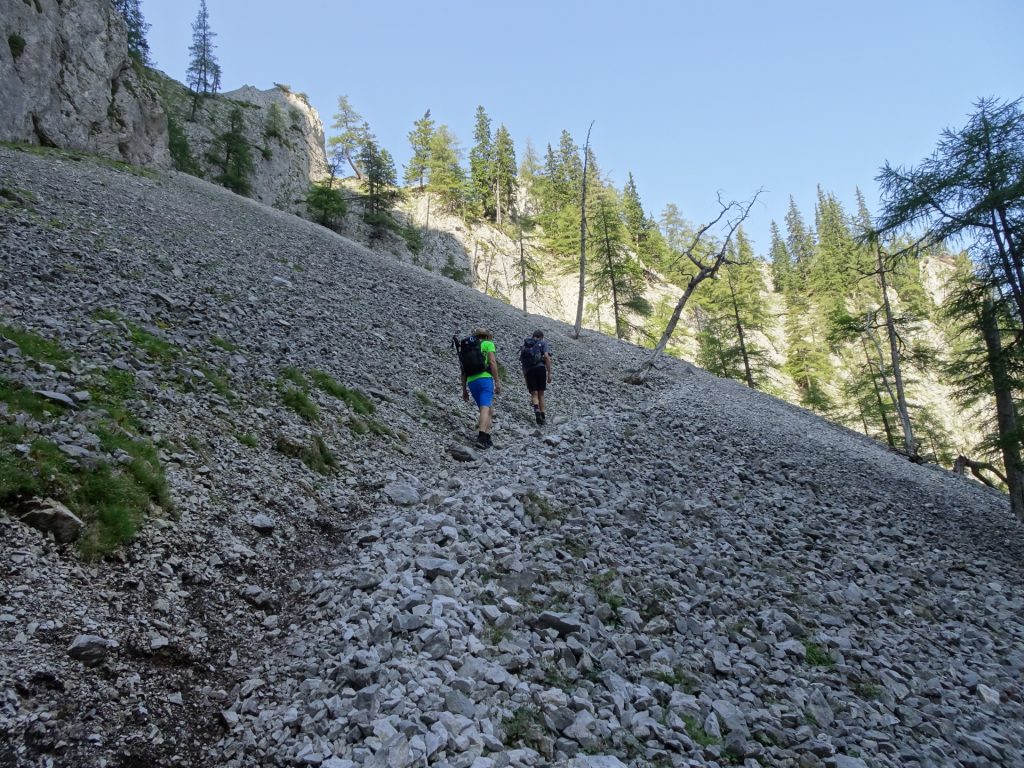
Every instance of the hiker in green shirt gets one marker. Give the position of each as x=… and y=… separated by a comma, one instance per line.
x=480, y=376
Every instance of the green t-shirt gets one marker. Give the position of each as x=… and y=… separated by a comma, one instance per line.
x=485, y=347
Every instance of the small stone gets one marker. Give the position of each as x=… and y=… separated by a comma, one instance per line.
x=90, y=649
x=263, y=523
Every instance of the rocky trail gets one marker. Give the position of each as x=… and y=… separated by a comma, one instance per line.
x=684, y=574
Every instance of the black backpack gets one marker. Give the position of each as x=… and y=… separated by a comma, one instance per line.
x=531, y=354
x=471, y=358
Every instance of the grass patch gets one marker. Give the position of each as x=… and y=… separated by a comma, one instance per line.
x=155, y=347
x=77, y=155
x=21, y=400
x=818, y=656
x=315, y=454
x=423, y=397
x=36, y=347
x=697, y=733
x=358, y=426
x=249, y=440
x=867, y=691
x=224, y=344
x=299, y=402
x=353, y=398
x=219, y=381
x=677, y=678
x=524, y=726
x=379, y=429
x=294, y=375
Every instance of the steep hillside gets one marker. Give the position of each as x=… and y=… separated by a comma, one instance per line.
x=688, y=573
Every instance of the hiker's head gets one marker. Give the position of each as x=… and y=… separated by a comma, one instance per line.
x=482, y=333
x=538, y=334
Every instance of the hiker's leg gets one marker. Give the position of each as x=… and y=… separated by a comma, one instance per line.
x=540, y=399
x=484, y=425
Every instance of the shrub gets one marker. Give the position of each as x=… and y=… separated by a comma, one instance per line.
x=181, y=152
x=249, y=440
x=325, y=204
x=17, y=45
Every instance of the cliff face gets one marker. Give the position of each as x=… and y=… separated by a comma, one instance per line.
x=67, y=80
x=284, y=134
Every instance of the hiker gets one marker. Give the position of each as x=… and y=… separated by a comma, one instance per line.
x=536, y=360
x=480, y=376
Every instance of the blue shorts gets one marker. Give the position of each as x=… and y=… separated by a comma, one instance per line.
x=482, y=390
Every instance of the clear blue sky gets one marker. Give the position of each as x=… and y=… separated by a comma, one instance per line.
x=694, y=98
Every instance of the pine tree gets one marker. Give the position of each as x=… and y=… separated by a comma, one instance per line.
x=353, y=131
x=530, y=181
x=203, y=75
x=137, y=28
x=419, y=141
x=481, y=166
x=504, y=171
x=782, y=262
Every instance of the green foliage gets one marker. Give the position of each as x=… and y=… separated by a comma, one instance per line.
x=36, y=347
x=224, y=344
x=249, y=440
x=447, y=180
x=697, y=733
x=524, y=726
x=325, y=204
x=231, y=153
x=353, y=398
x=203, y=75
x=818, y=656
x=17, y=45
x=136, y=26
x=616, y=276
x=315, y=454
x=380, y=178
x=21, y=400
x=273, y=127
x=353, y=133
x=481, y=167
x=299, y=402
x=419, y=140
x=181, y=153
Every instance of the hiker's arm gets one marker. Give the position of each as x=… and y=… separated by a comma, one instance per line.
x=547, y=364
x=494, y=373
x=465, y=389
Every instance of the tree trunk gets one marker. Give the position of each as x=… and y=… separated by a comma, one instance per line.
x=522, y=264
x=611, y=274
x=878, y=394
x=1006, y=411
x=894, y=352
x=583, y=238
x=739, y=333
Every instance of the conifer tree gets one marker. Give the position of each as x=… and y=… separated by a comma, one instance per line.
x=131, y=13
x=616, y=276
x=782, y=262
x=352, y=133
x=481, y=166
x=633, y=211
x=446, y=178
x=230, y=151
x=530, y=181
x=419, y=141
x=379, y=176
x=203, y=75
x=504, y=171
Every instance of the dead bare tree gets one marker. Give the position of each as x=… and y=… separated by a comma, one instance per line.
x=583, y=237
x=730, y=217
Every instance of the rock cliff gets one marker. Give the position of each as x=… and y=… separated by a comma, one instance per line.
x=67, y=80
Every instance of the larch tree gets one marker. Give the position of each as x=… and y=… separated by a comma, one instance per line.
x=352, y=132
x=137, y=27
x=379, y=177
x=203, y=76
x=971, y=189
x=446, y=179
x=616, y=276
x=583, y=236
x=419, y=142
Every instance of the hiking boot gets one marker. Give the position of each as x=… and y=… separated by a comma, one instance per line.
x=540, y=417
x=483, y=440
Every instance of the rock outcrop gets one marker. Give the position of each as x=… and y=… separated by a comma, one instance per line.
x=67, y=80
x=283, y=132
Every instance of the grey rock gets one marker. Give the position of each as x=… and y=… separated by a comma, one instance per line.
x=402, y=494
x=52, y=517
x=91, y=649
